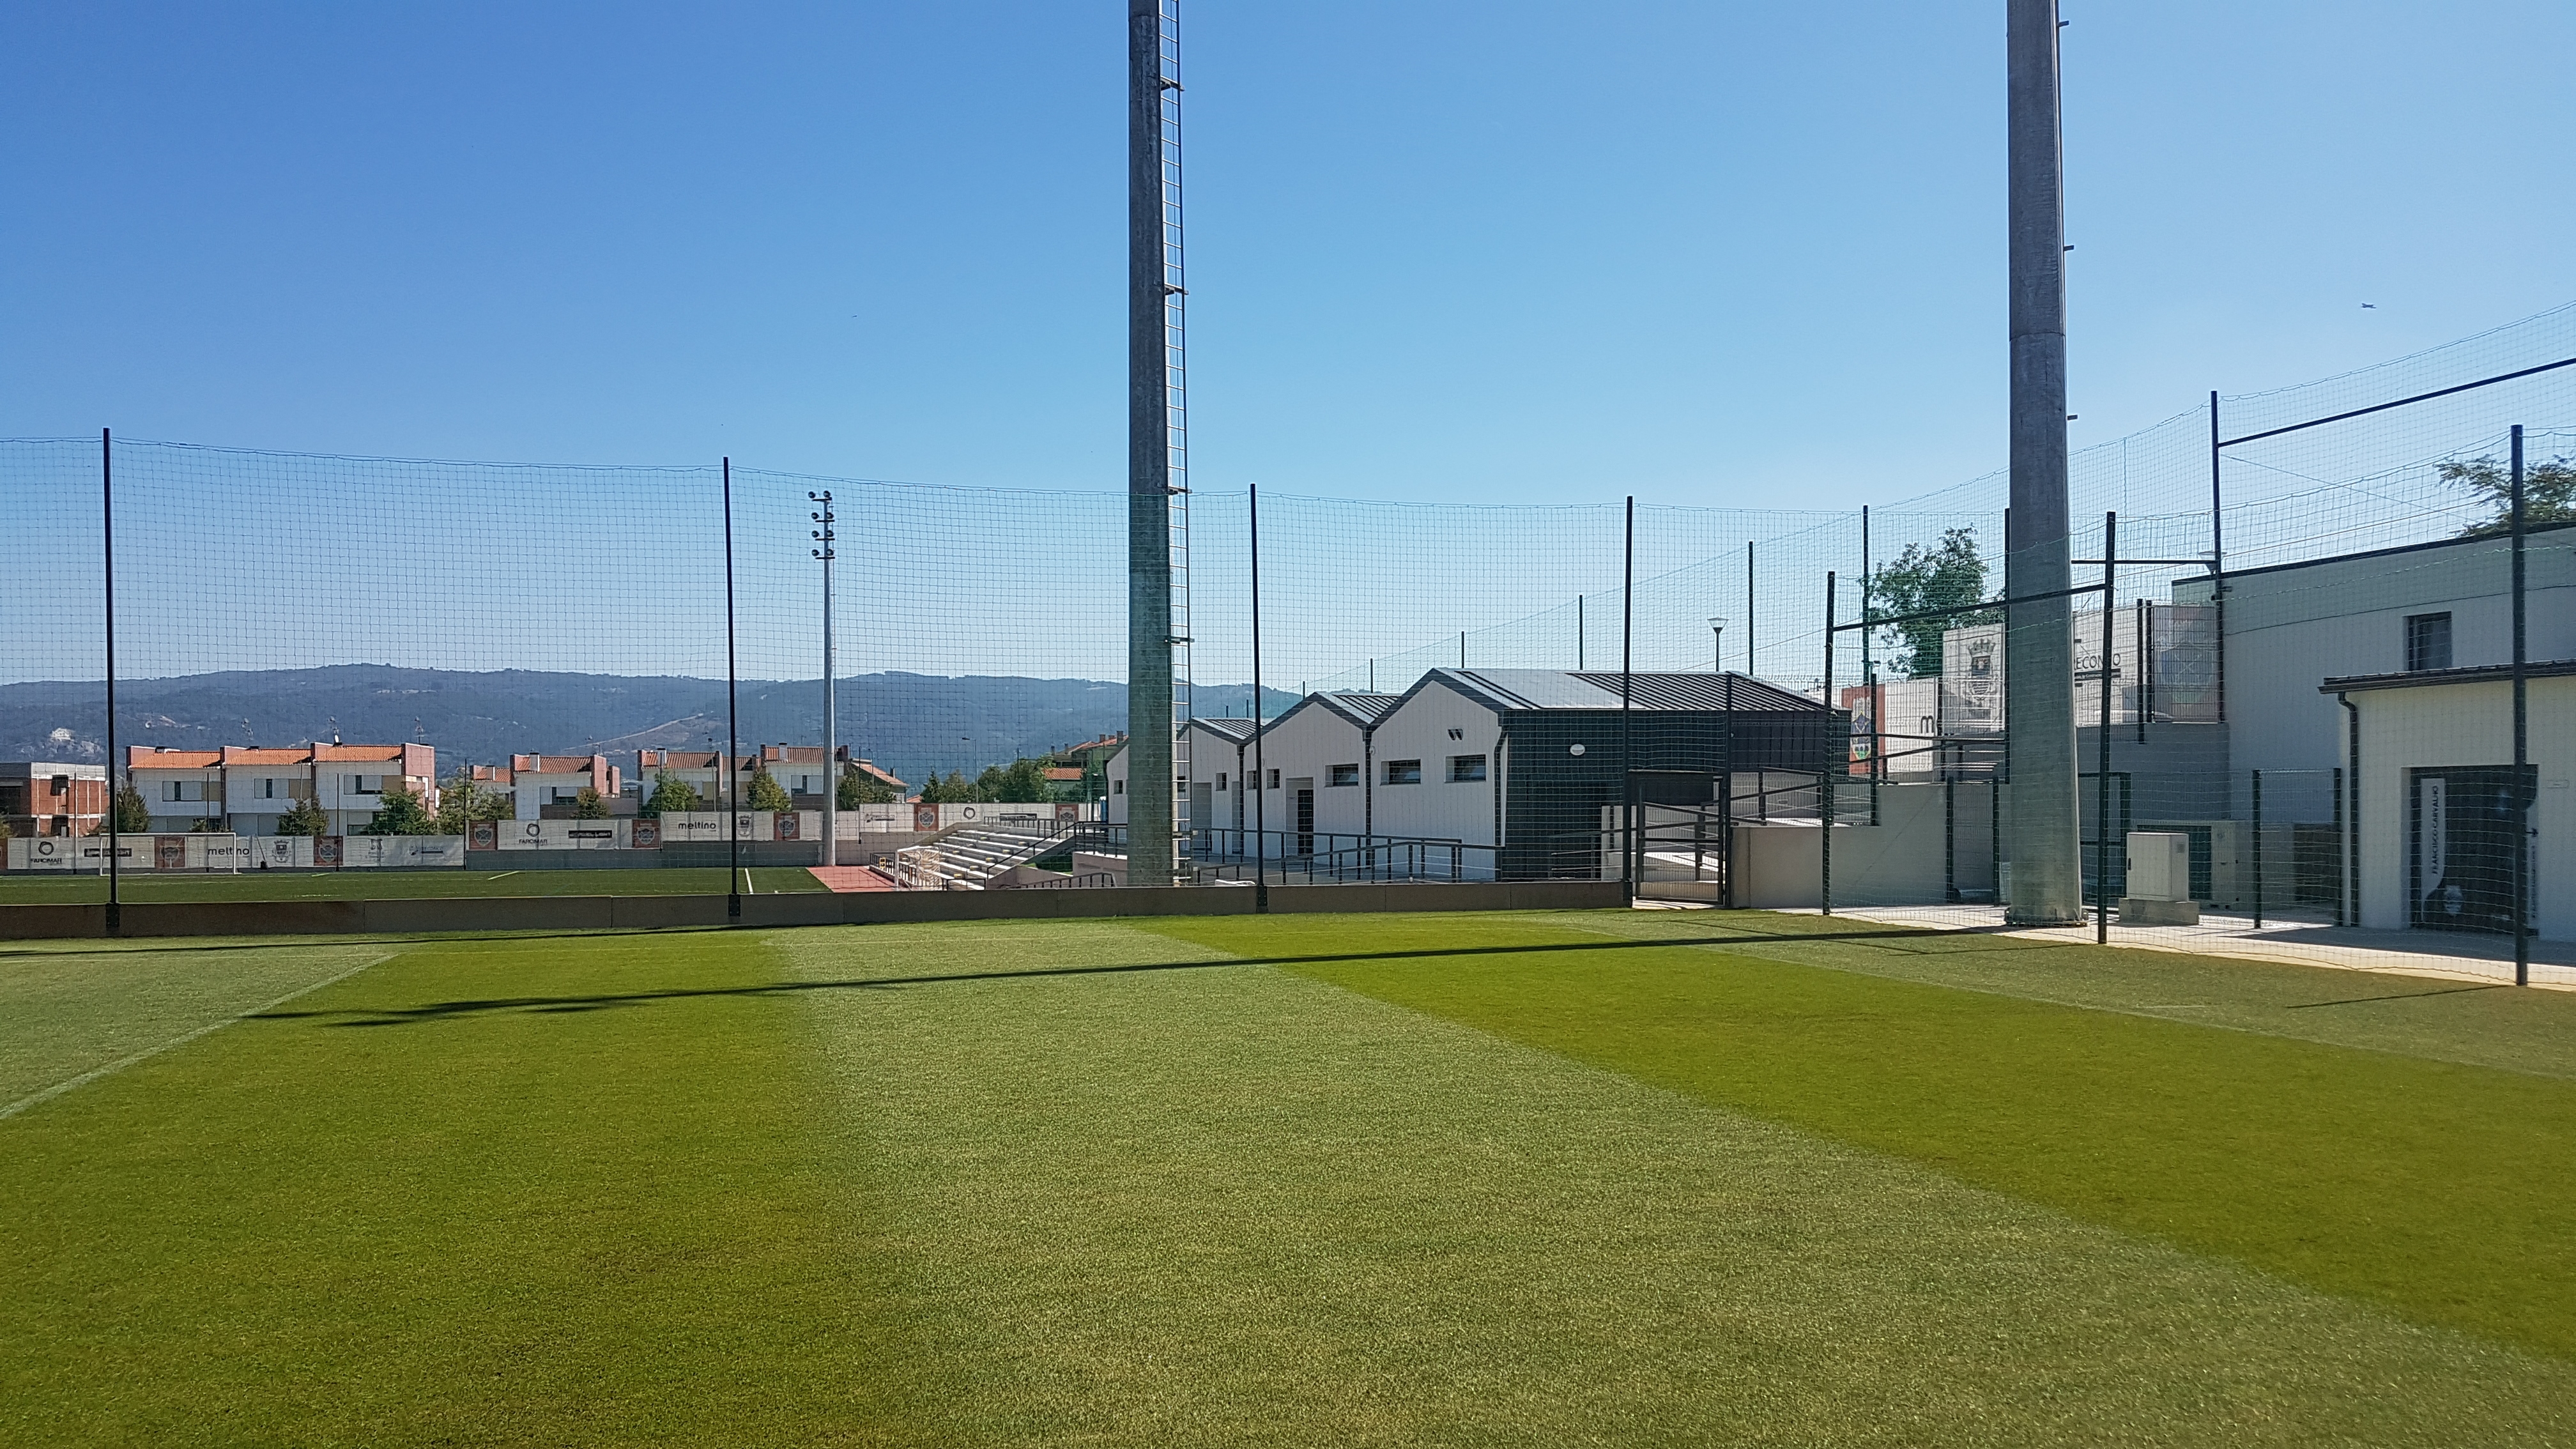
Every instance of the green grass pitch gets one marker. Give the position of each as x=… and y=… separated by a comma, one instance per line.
x=1607, y=1178
x=352, y=885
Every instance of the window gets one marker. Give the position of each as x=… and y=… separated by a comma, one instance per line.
x=1117, y=787
x=62, y=784
x=1457, y=734
x=1465, y=768
x=362, y=784
x=1220, y=782
x=2428, y=641
x=1343, y=775
x=1404, y=772
x=1274, y=779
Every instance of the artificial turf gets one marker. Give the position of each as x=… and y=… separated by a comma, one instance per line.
x=351, y=885
x=372, y=1216
x=2444, y=1190
x=1428, y=1180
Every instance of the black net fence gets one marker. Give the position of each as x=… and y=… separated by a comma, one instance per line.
x=2286, y=667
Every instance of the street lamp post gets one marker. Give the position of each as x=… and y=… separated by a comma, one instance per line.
x=823, y=535
x=1717, y=637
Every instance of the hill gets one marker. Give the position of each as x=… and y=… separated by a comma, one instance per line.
x=912, y=723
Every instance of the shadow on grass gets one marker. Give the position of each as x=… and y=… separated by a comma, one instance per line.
x=2402, y=996
x=556, y=1005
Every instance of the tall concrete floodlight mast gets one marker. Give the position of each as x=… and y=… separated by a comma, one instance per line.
x=2039, y=650
x=1158, y=514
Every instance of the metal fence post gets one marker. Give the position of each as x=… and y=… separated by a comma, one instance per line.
x=1825, y=779
x=2258, y=850
x=2521, y=740
x=2102, y=750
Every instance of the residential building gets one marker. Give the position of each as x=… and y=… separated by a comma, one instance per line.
x=798, y=768
x=244, y=789
x=548, y=787
x=39, y=798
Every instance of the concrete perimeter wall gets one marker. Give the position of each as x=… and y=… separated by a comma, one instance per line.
x=608, y=913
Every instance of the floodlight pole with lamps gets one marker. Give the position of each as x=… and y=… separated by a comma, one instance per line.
x=823, y=534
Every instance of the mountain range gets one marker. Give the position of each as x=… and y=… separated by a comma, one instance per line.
x=909, y=723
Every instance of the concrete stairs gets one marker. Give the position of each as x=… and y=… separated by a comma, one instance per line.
x=971, y=857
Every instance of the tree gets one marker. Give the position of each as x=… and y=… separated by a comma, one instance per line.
x=2548, y=493
x=465, y=800
x=304, y=818
x=765, y=793
x=858, y=788
x=589, y=804
x=1022, y=781
x=954, y=790
x=670, y=793
x=1937, y=582
x=400, y=813
x=133, y=817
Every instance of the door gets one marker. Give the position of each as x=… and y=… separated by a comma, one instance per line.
x=2466, y=844
x=1305, y=816
x=1202, y=812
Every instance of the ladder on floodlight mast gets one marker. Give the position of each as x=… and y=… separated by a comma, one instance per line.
x=1176, y=409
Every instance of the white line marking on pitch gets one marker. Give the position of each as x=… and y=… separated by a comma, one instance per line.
x=85, y=1078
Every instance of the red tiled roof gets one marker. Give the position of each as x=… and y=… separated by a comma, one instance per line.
x=151, y=757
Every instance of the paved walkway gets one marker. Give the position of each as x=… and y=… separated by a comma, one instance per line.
x=851, y=877
x=2300, y=941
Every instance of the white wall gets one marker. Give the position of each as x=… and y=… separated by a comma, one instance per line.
x=1895, y=862
x=2289, y=630
x=1212, y=755
x=1305, y=744
x=2465, y=725
x=1419, y=729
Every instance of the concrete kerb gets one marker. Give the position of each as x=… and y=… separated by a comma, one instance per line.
x=609, y=913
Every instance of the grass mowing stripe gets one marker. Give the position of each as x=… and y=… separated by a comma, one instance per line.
x=362, y=1220
x=2444, y=1191
x=92, y=1075
x=69, y=1008
x=1236, y=1206
x=2477, y=1025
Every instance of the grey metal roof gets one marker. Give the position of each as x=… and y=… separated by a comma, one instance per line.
x=1552, y=689
x=1233, y=729
x=1359, y=705
x=2462, y=674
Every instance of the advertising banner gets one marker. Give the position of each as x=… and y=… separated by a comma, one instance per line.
x=563, y=834
x=133, y=852
x=281, y=852
x=45, y=852
x=403, y=852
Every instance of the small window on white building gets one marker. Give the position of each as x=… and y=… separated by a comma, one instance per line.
x=1274, y=779
x=1343, y=775
x=1220, y=781
x=1466, y=768
x=1404, y=772
x=362, y=784
x=1117, y=787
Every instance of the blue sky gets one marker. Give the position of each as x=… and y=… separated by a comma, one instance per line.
x=1732, y=256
